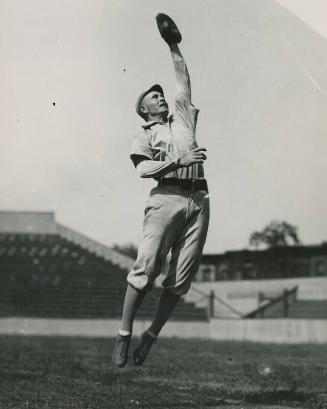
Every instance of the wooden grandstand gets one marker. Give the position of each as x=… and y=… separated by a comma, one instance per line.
x=50, y=271
x=51, y=275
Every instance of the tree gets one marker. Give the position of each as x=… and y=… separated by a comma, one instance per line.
x=276, y=234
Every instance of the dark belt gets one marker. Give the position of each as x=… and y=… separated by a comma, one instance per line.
x=185, y=184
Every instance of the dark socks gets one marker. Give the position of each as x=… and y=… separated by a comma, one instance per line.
x=166, y=306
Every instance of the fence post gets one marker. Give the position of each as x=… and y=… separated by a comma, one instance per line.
x=285, y=303
x=260, y=298
x=211, y=304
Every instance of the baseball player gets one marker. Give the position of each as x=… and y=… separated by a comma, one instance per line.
x=177, y=211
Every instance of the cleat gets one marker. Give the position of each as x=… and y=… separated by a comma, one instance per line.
x=120, y=352
x=142, y=350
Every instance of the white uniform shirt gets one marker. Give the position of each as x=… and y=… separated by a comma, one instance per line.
x=166, y=142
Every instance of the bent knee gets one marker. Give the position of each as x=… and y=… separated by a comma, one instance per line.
x=140, y=282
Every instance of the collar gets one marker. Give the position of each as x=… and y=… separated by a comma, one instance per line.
x=148, y=125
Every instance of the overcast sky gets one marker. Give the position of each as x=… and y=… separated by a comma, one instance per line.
x=313, y=12
x=70, y=72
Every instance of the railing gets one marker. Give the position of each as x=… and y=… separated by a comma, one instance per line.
x=210, y=299
x=99, y=249
x=277, y=305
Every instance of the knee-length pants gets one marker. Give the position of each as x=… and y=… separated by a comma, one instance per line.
x=175, y=220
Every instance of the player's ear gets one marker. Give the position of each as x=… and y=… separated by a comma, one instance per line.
x=143, y=109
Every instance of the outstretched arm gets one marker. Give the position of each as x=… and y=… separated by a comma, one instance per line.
x=183, y=82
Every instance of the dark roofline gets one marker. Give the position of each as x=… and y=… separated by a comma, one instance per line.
x=215, y=256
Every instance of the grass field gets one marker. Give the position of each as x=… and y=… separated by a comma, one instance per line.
x=41, y=372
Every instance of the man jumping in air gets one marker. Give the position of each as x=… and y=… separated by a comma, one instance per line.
x=177, y=211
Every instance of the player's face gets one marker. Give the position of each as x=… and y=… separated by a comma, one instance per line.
x=154, y=104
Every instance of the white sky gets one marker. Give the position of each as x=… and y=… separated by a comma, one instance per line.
x=259, y=78
x=313, y=12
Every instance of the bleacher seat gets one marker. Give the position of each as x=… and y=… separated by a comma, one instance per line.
x=46, y=275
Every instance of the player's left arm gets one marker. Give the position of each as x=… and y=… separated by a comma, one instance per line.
x=183, y=82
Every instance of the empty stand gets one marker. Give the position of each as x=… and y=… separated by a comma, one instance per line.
x=47, y=275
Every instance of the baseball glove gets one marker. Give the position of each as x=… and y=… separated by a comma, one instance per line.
x=168, y=29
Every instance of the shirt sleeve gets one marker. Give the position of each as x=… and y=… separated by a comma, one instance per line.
x=155, y=169
x=141, y=146
x=186, y=113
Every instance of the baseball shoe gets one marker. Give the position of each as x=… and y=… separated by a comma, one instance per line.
x=142, y=350
x=120, y=352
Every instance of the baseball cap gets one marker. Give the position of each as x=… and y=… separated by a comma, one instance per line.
x=155, y=87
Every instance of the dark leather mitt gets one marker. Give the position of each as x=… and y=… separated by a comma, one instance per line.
x=168, y=29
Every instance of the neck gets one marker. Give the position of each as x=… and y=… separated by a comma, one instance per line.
x=158, y=118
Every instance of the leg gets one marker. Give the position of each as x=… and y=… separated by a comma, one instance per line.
x=166, y=306
x=163, y=220
x=132, y=302
x=186, y=255
x=163, y=217
x=187, y=250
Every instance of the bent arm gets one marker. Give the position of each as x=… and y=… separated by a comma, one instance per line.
x=183, y=82
x=147, y=168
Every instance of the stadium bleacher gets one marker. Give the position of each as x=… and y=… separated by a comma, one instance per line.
x=49, y=276
x=48, y=270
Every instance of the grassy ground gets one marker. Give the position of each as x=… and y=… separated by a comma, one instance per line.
x=40, y=372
